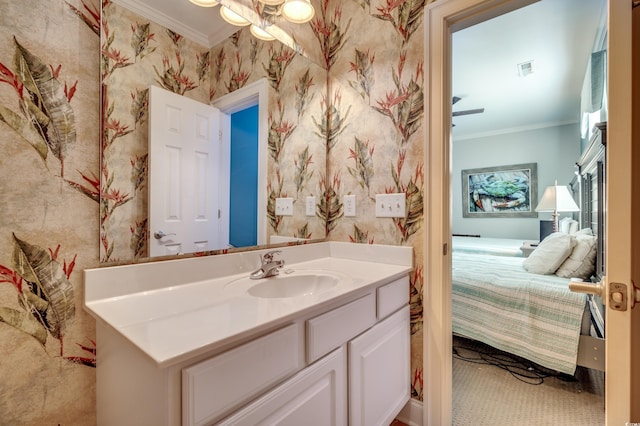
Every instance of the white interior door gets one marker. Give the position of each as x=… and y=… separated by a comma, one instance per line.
x=184, y=156
x=623, y=327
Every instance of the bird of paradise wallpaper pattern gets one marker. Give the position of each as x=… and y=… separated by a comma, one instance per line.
x=61, y=180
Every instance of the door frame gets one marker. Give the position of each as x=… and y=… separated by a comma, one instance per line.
x=442, y=18
x=256, y=93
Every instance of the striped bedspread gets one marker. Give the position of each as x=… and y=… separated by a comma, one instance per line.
x=497, y=302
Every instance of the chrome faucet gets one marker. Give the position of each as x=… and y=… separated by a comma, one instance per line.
x=269, y=267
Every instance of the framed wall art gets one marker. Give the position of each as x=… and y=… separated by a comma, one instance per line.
x=502, y=191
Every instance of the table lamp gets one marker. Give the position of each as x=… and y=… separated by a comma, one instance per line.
x=557, y=199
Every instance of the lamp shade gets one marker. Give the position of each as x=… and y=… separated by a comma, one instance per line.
x=261, y=34
x=205, y=3
x=557, y=199
x=232, y=17
x=298, y=11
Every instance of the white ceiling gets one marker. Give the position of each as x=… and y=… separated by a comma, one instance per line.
x=557, y=34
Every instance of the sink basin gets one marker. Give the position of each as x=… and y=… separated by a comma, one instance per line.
x=303, y=284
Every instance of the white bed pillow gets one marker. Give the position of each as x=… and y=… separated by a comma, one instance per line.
x=550, y=254
x=581, y=263
x=584, y=231
x=567, y=225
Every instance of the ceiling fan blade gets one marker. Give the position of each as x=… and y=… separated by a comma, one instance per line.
x=468, y=112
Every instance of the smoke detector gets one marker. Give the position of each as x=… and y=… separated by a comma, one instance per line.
x=526, y=68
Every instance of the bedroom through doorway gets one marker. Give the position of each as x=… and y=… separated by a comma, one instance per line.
x=527, y=89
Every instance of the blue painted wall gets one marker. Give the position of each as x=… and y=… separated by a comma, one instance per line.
x=244, y=178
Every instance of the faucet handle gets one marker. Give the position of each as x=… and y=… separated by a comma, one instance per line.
x=268, y=256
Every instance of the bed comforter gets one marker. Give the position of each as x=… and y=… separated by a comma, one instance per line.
x=497, y=302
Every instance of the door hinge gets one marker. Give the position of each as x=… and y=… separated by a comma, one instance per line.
x=445, y=249
x=219, y=135
x=219, y=213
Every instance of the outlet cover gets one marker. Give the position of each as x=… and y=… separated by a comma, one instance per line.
x=310, y=206
x=391, y=205
x=284, y=206
x=349, y=205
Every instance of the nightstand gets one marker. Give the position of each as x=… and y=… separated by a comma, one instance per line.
x=527, y=247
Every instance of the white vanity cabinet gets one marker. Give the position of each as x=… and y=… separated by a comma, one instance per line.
x=210, y=353
x=317, y=396
x=372, y=361
x=379, y=372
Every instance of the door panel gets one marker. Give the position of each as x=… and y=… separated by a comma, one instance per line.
x=184, y=156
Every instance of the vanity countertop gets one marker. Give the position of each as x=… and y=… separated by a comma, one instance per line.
x=175, y=309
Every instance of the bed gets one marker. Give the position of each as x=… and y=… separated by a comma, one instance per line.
x=495, y=300
x=495, y=246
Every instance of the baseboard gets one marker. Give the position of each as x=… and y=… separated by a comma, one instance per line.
x=411, y=413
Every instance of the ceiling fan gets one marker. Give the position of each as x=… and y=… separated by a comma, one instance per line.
x=455, y=100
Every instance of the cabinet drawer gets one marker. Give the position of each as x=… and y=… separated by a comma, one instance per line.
x=213, y=387
x=316, y=396
x=328, y=331
x=392, y=297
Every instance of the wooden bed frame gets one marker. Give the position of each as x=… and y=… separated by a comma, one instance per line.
x=589, y=189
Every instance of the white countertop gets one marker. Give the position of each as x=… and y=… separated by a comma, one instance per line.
x=171, y=311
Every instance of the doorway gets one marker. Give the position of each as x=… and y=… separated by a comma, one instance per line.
x=513, y=79
x=441, y=20
x=254, y=100
x=243, y=196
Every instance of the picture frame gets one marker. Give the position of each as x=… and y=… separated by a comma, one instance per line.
x=501, y=191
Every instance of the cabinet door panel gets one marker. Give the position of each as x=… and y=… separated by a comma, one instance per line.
x=379, y=372
x=214, y=387
x=317, y=396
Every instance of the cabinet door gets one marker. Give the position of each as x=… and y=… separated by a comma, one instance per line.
x=379, y=372
x=317, y=396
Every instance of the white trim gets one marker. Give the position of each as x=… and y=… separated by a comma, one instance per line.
x=167, y=21
x=441, y=19
x=527, y=128
x=256, y=93
x=411, y=413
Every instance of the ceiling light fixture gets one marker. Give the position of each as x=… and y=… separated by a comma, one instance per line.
x=298, y=11
x=261, y=34
x=205, y=3
x=295, y=11
x=232, y=17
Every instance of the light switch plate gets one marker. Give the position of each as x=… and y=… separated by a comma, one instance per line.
x=284, y=206
x=349, y=205
x=310, y=206
x=391, y=205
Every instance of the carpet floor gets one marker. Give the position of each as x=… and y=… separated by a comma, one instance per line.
x=497, y=389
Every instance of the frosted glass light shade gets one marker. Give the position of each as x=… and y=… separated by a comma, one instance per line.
x=261, y=34
x=232, y=17
x=298, y=11
x=205, y=3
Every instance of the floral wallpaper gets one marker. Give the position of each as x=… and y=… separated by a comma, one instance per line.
x=378, y=80
x=73, y=197
x=49, y=115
